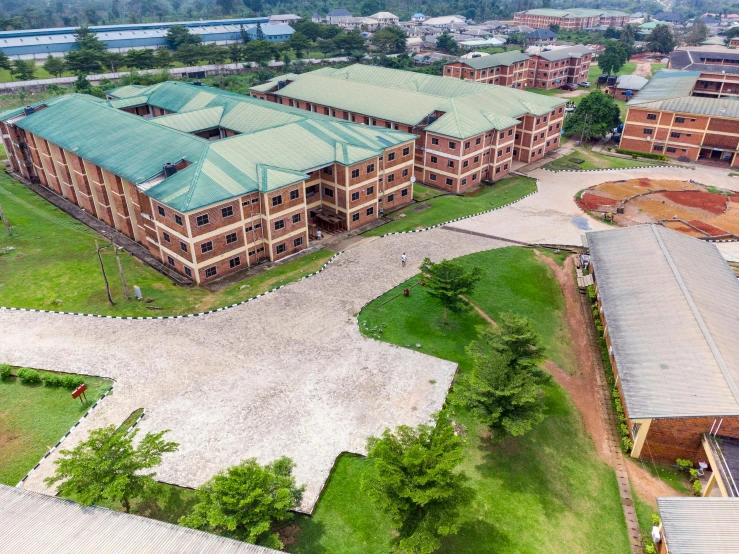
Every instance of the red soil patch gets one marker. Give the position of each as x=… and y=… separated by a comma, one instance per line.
x=590, y=201
x=713, y=203
x=645, y=182
x=706, y=228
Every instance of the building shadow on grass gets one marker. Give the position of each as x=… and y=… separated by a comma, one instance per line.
x=475, y=536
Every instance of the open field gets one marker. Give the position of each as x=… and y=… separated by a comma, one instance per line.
x=544, y=492
x=57, y=254
x=445, y=208
x=593, y=160
x=33, y=418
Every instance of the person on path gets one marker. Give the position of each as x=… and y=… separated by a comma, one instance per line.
x=403, y=259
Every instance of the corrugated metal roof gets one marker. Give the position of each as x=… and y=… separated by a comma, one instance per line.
x=667, y=83
x=407, y=97
x=575, y=13
x=190, y=122
x=671, y=305
x=565, y=53
x=33, y=523
x=128, y=102
x=631, y=82
x=503, y=58
x=700, y=525
x=696, y=105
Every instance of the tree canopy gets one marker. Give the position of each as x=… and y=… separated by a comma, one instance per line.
x=417, y=484
x=178, y=36
x=613, y=58
x=596, y=115
x=697, y=33
x=54, y=66
x=246, y=500
x=23, y=70
x=107, y=466
x=447, y=280
x=661, y=39
x=390, y=39
x=446, y=43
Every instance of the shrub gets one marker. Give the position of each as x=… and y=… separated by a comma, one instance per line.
x=52, y=380
x=29, y=376
x=693, y=473
x=4, y=372
x=656, y=520
x=72, y=381
x=62, y=381
x=591, y=292
x=649, y=549
x=683, y=465
x=634, y=154
x=627, y=444
x=609, y=148
x=697, y=488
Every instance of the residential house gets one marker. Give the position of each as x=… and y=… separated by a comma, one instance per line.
x=283, y=19
x=627, y=86
x=385, y=18
x=338, y=16
x=541, y=36
x=418, y=17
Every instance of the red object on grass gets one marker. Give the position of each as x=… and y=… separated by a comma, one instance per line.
x=79, y=390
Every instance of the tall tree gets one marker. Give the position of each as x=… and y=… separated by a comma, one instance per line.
x=87, y=40
x=244, y=34
x=595, y=116
x=140, y=59
x=350, y=42
x=299, y=43
x=213, y=54
x=698, y=33
x=417, y=484
x=259, y=33
x=163, y=58
x=107, y=466
x=235, y=54
x=54, y=66
x=503, y=391
x=661, y=39
x=260, y=51
x=627, y=38
x=446, y=43
x=447, y=280
x=613, y=58
x=188, y=54
x=390, y=39
x=83, y=61
x=23, y=70
x=4, y=61
x=178, y=36
x=113, y=61
x=245, y=501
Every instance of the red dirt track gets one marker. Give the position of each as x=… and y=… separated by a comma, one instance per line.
x=713, y=203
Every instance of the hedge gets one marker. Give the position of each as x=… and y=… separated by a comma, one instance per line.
x=5, y=372
x=29, y=376
x=648, y=155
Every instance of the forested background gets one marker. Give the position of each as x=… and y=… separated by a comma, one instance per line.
x=22, y=14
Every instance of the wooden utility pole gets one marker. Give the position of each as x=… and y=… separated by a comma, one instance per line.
x=102, y=268
x=120, y=270
x=6, y=222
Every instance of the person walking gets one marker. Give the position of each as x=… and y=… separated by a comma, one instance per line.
x=402, y=260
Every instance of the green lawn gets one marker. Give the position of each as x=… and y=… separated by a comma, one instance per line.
x=33, y=418
x=422, y=192
x=448, y=207
x=593, y=160
x=57, y=254
x=657, y=66
x=544, y=492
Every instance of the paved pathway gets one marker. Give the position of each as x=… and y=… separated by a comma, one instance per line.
x=289, y=374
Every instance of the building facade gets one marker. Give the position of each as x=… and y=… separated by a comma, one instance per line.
x=231, y=183
x=571, y=19
x=719, y=71
x=465, y=132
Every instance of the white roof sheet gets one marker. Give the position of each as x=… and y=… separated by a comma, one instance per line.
x=698, y=525
x=671, y=304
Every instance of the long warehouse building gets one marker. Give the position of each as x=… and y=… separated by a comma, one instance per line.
x=209, y=181
x=465, y=132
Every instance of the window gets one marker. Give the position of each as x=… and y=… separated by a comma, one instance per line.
x=261, y=249
x=390, y=178
x=517, y=136
x=502, y=135
x=497, y=169
x=297, y=242
x=478, y=140
x=474, y=176
x=257, y=225
x=538, y=120
x=679, y=120
x=161, y=211
x=370, y=191
x=464, y=181
x=228, y=211
x=449, y=181
x=355, y=217
x=206, y=247
x=188, y=271
x=296, y=218
x=202, y=220
x=328, y=192
x=505, y=166
x=434, y=141
x=183, y=246
x=211, y=272
x=672, y=150
x=355, y=196
x=230, y=238
x=652, y=116
x=294, y=194
x=370, y=168
x=432, y=176
x=355, y=173
x=467, y=145
x=281, y=248
x=370, y=210
x=390, y=197
x=178, y=219
x=170, y=260
x=391, y=156
x=452, y=145
x=510, y=131
x=405, y=172
x=166, y=237
x=406, y=151
x=476, y=159
x=328, y=170
x=279, y=224
x=465, y=163
x=647, y=131
x=508, y=150
x=500, y=152
x=658, y=148
x=276, y=200
x=450, y=163
x=674, y=135
x=234, y=262
x=388, y=124
x=434, y=159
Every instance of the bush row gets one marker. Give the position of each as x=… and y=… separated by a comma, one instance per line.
x=648, y=155
x=29, y=376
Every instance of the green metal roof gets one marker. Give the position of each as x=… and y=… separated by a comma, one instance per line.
x=190, y=122
x=503, y=58
x=408, y=98
x=565, y=53
x=575, y=13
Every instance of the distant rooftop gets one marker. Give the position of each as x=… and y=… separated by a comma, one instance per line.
x=696, y=60
x=502, y=58
x=574, y=13
x=557, y=54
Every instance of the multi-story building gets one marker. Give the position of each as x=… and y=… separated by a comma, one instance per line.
x=575, y=18
x=507, y=69
x=540, y=37
x=209, y=181
x=668, y=117
x=465, y=132
x=719, y=71
x=668, y=305
x=385, y=19
x=547, y=69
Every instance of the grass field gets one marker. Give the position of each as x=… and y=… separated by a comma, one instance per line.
x=544, y=492
x=448, y=207
x=33, y=418
x=56, y=254
x=593, y=160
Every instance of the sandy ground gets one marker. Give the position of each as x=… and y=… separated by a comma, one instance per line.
x=643, y=69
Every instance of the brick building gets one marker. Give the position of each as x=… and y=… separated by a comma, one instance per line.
x=575, y=18
x=719, y=71
x=668, y=304
x=465, y=132
x=547, y=70
x=668, y=118
x=210, y=182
